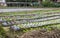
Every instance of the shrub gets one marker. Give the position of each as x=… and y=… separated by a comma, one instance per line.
x=57, y=4
x=50, y=4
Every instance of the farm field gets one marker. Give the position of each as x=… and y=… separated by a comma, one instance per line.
x=28, y=21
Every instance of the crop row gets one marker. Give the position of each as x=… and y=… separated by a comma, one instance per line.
x=30, y=16
x=36, y=24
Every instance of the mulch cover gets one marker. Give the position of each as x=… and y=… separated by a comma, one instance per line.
x=42, y=34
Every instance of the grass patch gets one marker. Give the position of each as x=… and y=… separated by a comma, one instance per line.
x=2, y=32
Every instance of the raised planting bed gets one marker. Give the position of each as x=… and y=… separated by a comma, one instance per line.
x=30, y=12
x=36, y=24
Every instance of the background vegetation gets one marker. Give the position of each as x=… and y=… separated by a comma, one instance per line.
x=37, y=3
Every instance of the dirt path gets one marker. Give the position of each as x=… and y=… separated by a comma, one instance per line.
x=24, y=9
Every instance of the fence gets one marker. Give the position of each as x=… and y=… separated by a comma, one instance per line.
x=22, y=4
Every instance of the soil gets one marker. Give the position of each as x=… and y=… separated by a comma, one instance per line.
x=42, y=34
